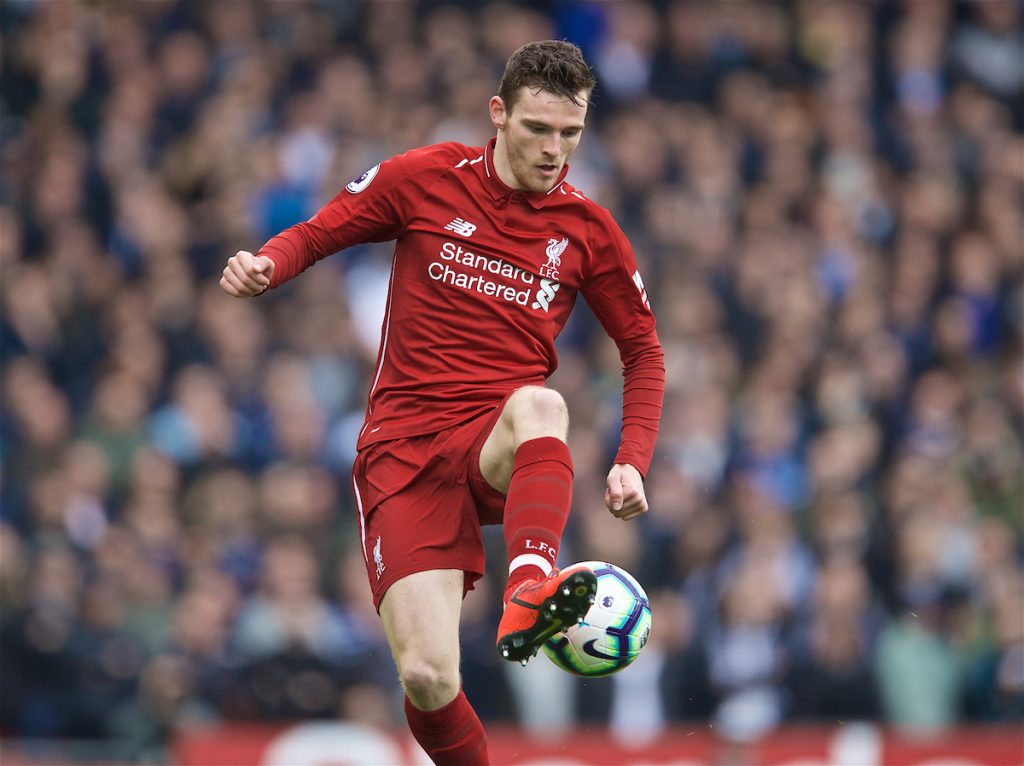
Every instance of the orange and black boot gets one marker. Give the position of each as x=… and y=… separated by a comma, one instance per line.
x=540, y=608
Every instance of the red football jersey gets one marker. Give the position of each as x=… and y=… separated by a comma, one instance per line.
x=482, y=282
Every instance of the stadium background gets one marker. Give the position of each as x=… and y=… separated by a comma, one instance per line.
x=825, y=199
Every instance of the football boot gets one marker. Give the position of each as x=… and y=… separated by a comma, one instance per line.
x=538, y=609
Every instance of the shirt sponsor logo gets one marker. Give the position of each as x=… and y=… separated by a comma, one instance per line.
x=461, y=227
x=452, y=256
x=363, y=181
x=545, y=294
x=554, y=252
x=466, y=270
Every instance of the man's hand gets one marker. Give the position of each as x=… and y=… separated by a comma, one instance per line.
x=625, y=496
x=246, y=275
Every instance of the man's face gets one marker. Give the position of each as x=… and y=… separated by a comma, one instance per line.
x=540, y=132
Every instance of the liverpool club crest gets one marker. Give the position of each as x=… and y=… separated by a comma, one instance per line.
x=554, y=252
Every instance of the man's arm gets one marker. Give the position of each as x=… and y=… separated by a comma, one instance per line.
x=373, y=208
x=285, y=255
x=643, y=370
x=616, y=293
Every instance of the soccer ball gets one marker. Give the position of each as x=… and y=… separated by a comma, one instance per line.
x=612, y=633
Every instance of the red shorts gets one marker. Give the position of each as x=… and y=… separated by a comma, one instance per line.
x=422, y=501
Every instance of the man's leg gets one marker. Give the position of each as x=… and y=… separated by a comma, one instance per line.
x=421, y=620
x=525, y=457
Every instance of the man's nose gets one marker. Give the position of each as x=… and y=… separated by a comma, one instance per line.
x=551, y=145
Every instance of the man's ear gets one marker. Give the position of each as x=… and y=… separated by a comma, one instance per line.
x=499, y=117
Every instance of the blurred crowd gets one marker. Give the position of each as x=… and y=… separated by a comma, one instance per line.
x=826, y=200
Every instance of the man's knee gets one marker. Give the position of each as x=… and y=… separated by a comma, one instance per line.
x=421, y=619
x=538, y=408
x=429, y=682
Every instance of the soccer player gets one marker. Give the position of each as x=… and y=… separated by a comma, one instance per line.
x=492, y=248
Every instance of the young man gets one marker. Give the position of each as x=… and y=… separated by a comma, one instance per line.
x=492, y=248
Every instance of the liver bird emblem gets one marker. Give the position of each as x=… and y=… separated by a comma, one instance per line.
x=554, y=252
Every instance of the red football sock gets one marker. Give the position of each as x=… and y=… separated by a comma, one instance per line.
x=536, y=508
x=452, y=735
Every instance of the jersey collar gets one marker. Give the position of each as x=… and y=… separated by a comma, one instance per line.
x=499, y=189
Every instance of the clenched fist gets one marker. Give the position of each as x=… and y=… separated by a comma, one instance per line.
x=624, y=492
x=246, y=275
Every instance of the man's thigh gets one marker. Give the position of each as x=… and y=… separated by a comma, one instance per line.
x=420, y=613
x=421, y=502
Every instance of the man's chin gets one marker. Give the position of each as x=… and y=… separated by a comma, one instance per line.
x=543, y=184
x=537, y=182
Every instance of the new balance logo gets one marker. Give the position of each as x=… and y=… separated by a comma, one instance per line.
x=461, y=227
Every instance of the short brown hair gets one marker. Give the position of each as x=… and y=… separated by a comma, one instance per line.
x=556, y=66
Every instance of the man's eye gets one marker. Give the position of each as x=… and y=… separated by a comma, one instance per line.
x=538, y=130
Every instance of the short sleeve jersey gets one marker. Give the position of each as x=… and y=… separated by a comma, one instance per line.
x=483, y=280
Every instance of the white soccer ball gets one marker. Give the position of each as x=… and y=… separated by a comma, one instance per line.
x=614, y=630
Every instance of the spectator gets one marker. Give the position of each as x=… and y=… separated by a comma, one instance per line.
x=832, y=677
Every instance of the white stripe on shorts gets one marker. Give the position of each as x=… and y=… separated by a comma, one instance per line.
x=362, y=519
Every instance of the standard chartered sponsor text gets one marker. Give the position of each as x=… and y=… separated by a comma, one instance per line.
x=453, y=253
